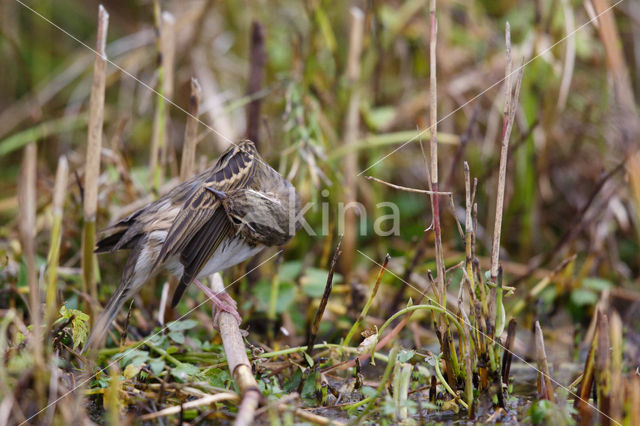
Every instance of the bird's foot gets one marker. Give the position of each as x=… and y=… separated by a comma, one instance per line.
x=222, y=302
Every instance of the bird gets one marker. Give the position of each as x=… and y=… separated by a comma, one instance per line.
x=209, y=223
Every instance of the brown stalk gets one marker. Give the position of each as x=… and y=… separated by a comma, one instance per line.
x=617, y=388
x=508, y=350
x=603, y=366
x=433, y=115
x=351, y=124
x=191, y=132
x=545, y=387
x=92, y=163
x=584, y=391
x=610, y=38
x=27, y=224
x=168, y=49
x=240, y=368
x=256, y=77
x=511, y=103
x=633, y=400
x=59, y=194
x=323, y=302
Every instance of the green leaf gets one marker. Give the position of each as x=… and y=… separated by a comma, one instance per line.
x=219, y=378
x=595, y=283
x=136, y=357
x=131, y=371
x=309, y=359
x=583, y=297
x=289, y=271
x=184, y=371
x=314, y=281
x=368, y=391
x=286, y=295
x=177, y=337
x=377, y=118
x=182, y=325
x=292, y=385
x=157, y=366
x=309, y=387
x=79, y=324
x=405, y=355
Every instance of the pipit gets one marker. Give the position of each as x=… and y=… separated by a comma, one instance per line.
x=211, y=222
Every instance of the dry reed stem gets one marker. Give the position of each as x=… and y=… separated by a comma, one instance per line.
x=633, y=400
x=238, y=363
x=92, y=163
x=196, y=403
x=545, y=381
x=256, y=76
x=433, y=171
x=27, y=224
x=617, y=388
x=581, y=402
x=311, y=417
x=191, y=132
x=165, y=45
x=603, y=369
x=168, y=46
x=510, y=107
x=59, y=195
x=569, y=55
x=615, y=58
x=351, y=124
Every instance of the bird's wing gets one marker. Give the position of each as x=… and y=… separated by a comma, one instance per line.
x=202, y=223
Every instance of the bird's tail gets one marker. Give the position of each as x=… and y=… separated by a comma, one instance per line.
x=102, y=325
x=131, y=280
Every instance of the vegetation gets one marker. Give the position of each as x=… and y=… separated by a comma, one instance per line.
x=470, y=179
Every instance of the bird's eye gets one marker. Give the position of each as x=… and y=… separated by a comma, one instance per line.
x=236, y=220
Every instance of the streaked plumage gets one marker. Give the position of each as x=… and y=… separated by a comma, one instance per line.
x=211, y=222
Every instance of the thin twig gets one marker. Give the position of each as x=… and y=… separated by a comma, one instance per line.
x=405, y=188
x=200, y=402
x=323, y=303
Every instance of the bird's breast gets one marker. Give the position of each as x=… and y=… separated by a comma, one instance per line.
x=229, y=253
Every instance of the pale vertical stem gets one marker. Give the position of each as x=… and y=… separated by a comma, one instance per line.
x=617, y=389
x=433, y=117
x=27, y=220
x=351, y=124
x=616, y=63
x=468, y=227
x=168, y=46
x=190, y=132
x=238, y=362
x=543, y=366
x=158, y=136
x=92, y=163
x=59, y=194
x=504, y=149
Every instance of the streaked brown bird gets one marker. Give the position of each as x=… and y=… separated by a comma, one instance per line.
x=211, y=222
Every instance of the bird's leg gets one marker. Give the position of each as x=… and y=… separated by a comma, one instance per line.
x=222, y=302
x=221, y=195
